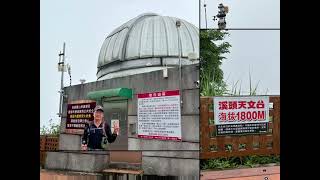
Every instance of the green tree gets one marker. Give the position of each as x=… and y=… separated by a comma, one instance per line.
x=53, y=129
x=211, y=57
x=44, y=130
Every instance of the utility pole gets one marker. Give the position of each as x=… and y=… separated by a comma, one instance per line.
x=178, y=24
x=61, y=68
x=205, y=13
x=223, y=10
x=69, y=72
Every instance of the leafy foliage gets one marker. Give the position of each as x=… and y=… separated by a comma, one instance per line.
x=211, y=57
x=235, y=162
x=52, y=129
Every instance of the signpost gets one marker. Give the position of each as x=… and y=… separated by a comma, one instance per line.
x=241, y=115
x=159, y=115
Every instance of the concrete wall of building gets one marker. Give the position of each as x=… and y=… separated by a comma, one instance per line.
x=77, y=161
x=171, y=163
x=69, y=142
x=166, y=163
x=161, y=163
x=140, y=83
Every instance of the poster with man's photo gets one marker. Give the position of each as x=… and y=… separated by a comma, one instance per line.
x=115, y=125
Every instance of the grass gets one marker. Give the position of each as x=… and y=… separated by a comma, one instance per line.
x=237, y=162
x=211, y=88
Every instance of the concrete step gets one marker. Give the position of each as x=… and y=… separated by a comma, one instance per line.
x=125, y=165
x=123, y=171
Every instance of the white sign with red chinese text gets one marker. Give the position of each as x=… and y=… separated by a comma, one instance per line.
x=159, y=115
x=241, y=115
x=242, y=109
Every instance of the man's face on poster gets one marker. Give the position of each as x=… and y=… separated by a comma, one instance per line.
x=98, y=115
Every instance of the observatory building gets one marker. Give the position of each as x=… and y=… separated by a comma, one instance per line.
x=150, y=58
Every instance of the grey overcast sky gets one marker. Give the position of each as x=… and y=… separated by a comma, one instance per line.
x=83, y=25
x=244, y=13
x=257, y=51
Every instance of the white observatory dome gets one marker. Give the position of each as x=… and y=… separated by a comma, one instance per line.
x=147, y=43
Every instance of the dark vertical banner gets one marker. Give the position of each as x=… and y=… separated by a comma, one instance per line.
x=79, y=114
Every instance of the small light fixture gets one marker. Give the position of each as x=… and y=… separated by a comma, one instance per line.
x=178, y=23
x=192, y=56
x=61, y=67
x=82, y=81
x=165, y=72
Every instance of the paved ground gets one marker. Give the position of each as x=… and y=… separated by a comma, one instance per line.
x=52, y=175
x=261, y=173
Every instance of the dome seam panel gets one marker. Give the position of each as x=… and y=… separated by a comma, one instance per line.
x=189, y=35
x=166, y=35
x=127, y=36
